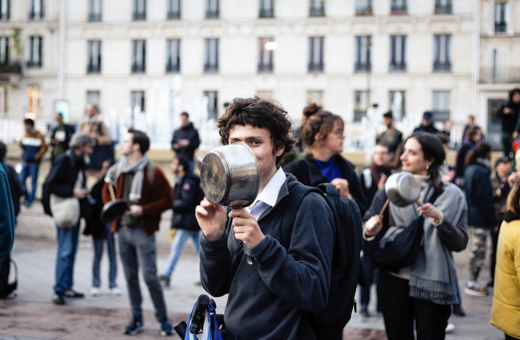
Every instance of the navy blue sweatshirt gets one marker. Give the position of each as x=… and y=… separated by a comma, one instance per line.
x=267, y=299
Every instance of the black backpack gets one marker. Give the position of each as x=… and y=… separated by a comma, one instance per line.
x=346, y=261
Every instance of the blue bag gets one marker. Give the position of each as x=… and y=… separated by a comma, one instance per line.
x=210, y=323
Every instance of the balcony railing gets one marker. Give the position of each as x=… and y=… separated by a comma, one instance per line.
x=398, y=10
x=139, y=16
x=34, y=64
x=138, y=68
x=93, y=69
x=172, y=68
x=266, y=13
x=500, y=27
x=441, y=115
x=317, y=12
x=265, y=68
x=13, y=68
x=442, y=9
x=94, y=17
x=35, y=15
x=212, y=14
x=358, y=67
x=441, y=67
x=397, y=67
x=315, y=68
x=209, y=68
x=500, y=75
x=4, y=16
x=174, y=15
x=364, y=10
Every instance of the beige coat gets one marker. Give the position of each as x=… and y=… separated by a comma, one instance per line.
x=103, y=136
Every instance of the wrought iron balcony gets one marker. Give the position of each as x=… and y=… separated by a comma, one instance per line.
x=398, y=67
x=35, y=15
x=138, y=68
x=139, y=16
x=93, y=69
x=359, y=67
x=364, y=10
x=500, y=74
x=443, y=9
x=441, y=67
x=315, y=68
x=10, y=68
x=500, y=27
x=34, y=64
x=265, y=68
x=266, y=13
x=317, y=12
x=173, y=68
x=212, y=14
x=94, y=17
x=174, y=15
x=398, y=10
x=210, y=68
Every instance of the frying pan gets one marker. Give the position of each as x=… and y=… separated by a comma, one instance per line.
x=114, y=209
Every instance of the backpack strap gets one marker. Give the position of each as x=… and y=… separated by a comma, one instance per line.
x=296, y=197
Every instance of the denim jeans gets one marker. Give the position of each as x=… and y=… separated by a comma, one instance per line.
x=176, y=249
x=67, y=247
x=30, y=170
x=136, y=247
x=98, y=254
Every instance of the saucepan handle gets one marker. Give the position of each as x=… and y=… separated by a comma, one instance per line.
x=247, y=251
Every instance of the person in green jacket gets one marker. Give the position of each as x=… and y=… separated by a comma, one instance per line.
x=7, y=217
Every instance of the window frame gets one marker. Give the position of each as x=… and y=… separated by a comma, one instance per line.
x=443, y=7
x=209, y=67
x=263, y=53
x=395, y=42
x=91, y=48
x=212, y=13
x=142, y=100
x=440, y=66
x=33, y=15
x=359, y=66
x=138, y=68
x=170, y=13
x=139, y=12
x=29, y=60
x=7, y=15
x=364, y=8
x=173, y=67
x=316, y=8
x=439, y=111
x=212, y=109
x=399, y=9
x=360, y=112
x=312, y=66
x=266, y=11
x=92, y=15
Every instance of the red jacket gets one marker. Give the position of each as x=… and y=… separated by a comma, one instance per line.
x=155, y=199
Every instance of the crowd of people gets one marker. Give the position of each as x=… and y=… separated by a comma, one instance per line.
x=286, y=285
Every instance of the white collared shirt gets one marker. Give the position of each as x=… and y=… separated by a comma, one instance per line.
x=268, y=197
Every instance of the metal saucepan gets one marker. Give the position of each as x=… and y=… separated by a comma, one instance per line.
x=114, y=209
x=229, y=176
x=402, y=189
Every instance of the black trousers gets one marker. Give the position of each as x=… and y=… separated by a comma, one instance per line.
x=4, y=276
x=493, y=256
x=400, y=310
x=510, y=337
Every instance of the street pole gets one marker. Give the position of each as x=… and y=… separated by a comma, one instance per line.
x=476, y=60
x=63, y=29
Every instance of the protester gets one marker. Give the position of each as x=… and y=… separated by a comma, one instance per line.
x=186, y=139
x=60, y=137
x=391, y=137
x=188, y=194
x=34, y=147
x=426, y=124
x=501, y=189
x=473, y=138
x=373, y=178
x=66, y=180
x=142, y=184
x=424, y=291
x=15, y=183
x=447, y=172
x=7, y=226
x=322, y=132
x=270, y=298
x=101, y=233
x=470, y=122
x=94, y=125
x=447, y=129
x=509, y=113
x=481, y=214
x=506, y=296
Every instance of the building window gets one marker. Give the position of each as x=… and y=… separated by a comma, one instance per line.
x=212, y=9
x=211, y=56
x=173, y=55
x=500, y=17
x=94, y=57
x=265, y=58
x=442, y=6
x=34, y=97
x=361, y=99
x=94, y=10
x=441, y=106
x=363, y=7
x=266, y=9
x=316, y=54
x=267, y=95
x=139, y=10
x=399, y=7
x=317, y=8
x=397, y=53
x=137, y=102
x=315, y=97
x=212, y=97
x=441, y=56
x=363, y=45
x=138, y=56
x=35, y=9
x=174, y=9
x=94, y=98
x=3, y=101
x=4, y=51
x=398, y=103
x=33, y=52
x=5, y=9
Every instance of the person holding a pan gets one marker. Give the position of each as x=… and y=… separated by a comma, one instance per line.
x=425, y=290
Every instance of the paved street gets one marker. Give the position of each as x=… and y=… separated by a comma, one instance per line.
x=32, y=315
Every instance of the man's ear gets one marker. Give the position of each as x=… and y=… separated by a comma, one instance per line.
x=280, y=151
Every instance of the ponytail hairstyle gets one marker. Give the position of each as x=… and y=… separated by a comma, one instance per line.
x=480, y=151
x=315, y=120
x=432, y=150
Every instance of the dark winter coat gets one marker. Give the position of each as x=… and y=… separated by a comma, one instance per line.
x=7, y=217
x=426, y=128
x=307, y=172
x=509, y=121
x=94, y=225
x=16, y=185
x=479, y=196
x=190, y=133
x=461, y=157
x=188, y=195
x=69, y=131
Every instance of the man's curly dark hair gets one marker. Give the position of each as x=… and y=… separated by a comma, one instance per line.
x=259, y=113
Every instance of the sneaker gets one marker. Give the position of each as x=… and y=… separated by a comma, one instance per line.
x=450, y=328
x=363, y=311
x=165, y=280
x=475, y=289
x=166, y=328
x=57, y=298
x=72, y=294
x=134, y=327
x=95, y=291
x=115, y=291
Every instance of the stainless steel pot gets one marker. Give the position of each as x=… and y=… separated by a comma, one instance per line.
x=403, y=189
x=229, y=175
